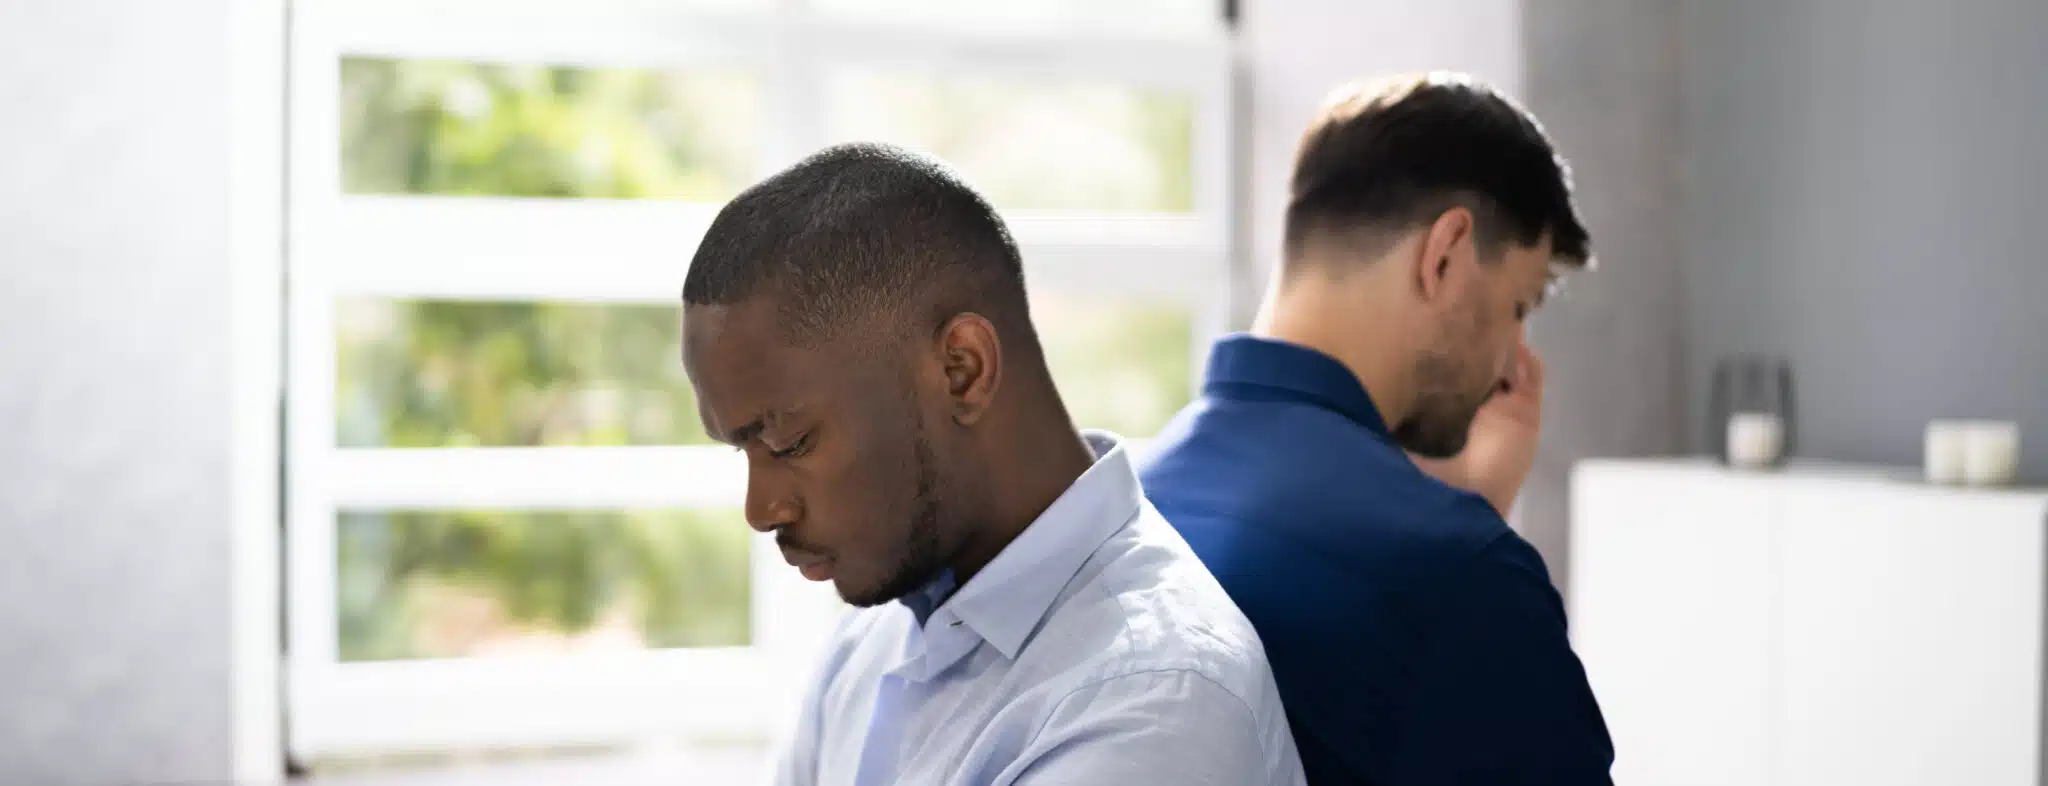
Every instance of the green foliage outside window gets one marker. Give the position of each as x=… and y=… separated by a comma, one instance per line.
x=437, y=374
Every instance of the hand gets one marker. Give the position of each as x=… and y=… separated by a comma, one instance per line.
x=1501, y=446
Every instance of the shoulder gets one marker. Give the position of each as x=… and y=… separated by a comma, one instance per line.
x=1261, y=443
x=1166, y=726
x=1356, y=509
x=1389, y=557
x=1507, y=575
x=1144, y=605
x=1295, y=469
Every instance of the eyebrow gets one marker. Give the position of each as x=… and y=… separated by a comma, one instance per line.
x=753, y=428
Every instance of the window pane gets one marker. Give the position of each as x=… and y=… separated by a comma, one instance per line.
x=436, y=373
x=432, y=373
x=444, y=127
x=1035, y=145
x=1141, y=16
x=446, y=584
x=1121, y=365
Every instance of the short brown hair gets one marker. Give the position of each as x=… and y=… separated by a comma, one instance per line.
x=1386, y=157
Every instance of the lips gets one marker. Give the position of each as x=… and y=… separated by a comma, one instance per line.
x=817, y=571
x=814, y=566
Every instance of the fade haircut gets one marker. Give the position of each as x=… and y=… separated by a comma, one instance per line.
x=1385, y=158
x=863, y=237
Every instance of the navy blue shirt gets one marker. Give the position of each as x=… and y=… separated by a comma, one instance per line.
x=1414, y=637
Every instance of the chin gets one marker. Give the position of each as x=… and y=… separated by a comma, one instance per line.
x=861, y=597
x=1436, y=450
x=1433, y=445
x=854, y=597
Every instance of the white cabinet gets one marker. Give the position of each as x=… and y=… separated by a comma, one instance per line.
x=1818, y=625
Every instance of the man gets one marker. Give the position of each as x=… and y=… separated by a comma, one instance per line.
x=857, y=326
x=1415, y=638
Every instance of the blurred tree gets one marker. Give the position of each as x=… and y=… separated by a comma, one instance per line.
x=447, y=373
x=447, y=584
x=438, y=127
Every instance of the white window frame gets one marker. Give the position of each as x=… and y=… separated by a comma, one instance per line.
x=631, y=252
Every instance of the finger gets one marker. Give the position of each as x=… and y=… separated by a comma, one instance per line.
x=1529, y=369
x=1516, y=375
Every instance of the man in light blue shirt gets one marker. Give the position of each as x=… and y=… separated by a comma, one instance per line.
x=857, y=326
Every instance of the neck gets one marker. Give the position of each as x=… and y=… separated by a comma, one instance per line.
x=1053, y=455
x=1325, y=315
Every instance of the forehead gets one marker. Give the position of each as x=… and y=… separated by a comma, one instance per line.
x=744, y=368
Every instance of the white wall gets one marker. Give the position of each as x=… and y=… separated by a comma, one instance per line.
x=124, y=442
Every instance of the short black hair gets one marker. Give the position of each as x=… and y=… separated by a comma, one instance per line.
x=862, y=232
x=1386, y=157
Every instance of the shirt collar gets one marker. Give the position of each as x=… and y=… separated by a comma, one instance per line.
x=1242, y=361
x=1011, y=595
x=926, y=599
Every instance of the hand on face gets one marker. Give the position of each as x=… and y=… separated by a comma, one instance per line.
x=1501, y=446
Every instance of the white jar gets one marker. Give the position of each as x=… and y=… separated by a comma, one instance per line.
x=1947, y=442
x=1755, y=439
x=1991, y=453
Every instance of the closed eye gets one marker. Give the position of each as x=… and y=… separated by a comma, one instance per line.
x=798, y=448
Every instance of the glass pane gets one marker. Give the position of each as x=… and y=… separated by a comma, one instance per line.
x=1138, y=16
x=448, y=584
x=1051, y=146
x=445, y=127
x=434, y=373
x=1121, y=365
x=438, y=373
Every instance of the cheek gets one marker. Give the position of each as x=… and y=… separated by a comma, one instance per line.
x=854, y=498
x=1502, y=334
x=1487, y=340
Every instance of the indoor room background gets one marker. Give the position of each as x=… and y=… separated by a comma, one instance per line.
x=347, y=435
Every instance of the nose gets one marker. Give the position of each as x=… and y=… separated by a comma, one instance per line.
x=770, y=505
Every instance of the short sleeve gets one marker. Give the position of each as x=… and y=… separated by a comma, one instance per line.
x=1509, y=700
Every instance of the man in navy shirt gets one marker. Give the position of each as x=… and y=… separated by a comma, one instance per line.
x=1415, y=638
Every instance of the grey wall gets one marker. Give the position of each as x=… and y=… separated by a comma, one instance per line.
x=1867, y=194
x=114, y=341
x=1604, y=79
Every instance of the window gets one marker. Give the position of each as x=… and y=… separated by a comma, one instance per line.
x=506, y=525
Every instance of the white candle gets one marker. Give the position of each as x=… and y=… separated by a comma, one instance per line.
x=1755, y=439
x=1991, y=453
x=1945, y=450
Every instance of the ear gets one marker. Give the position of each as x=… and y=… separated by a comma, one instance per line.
x=972, y=359
x=1445, y=255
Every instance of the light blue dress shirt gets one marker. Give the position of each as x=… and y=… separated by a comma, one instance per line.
x=1094, y=649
